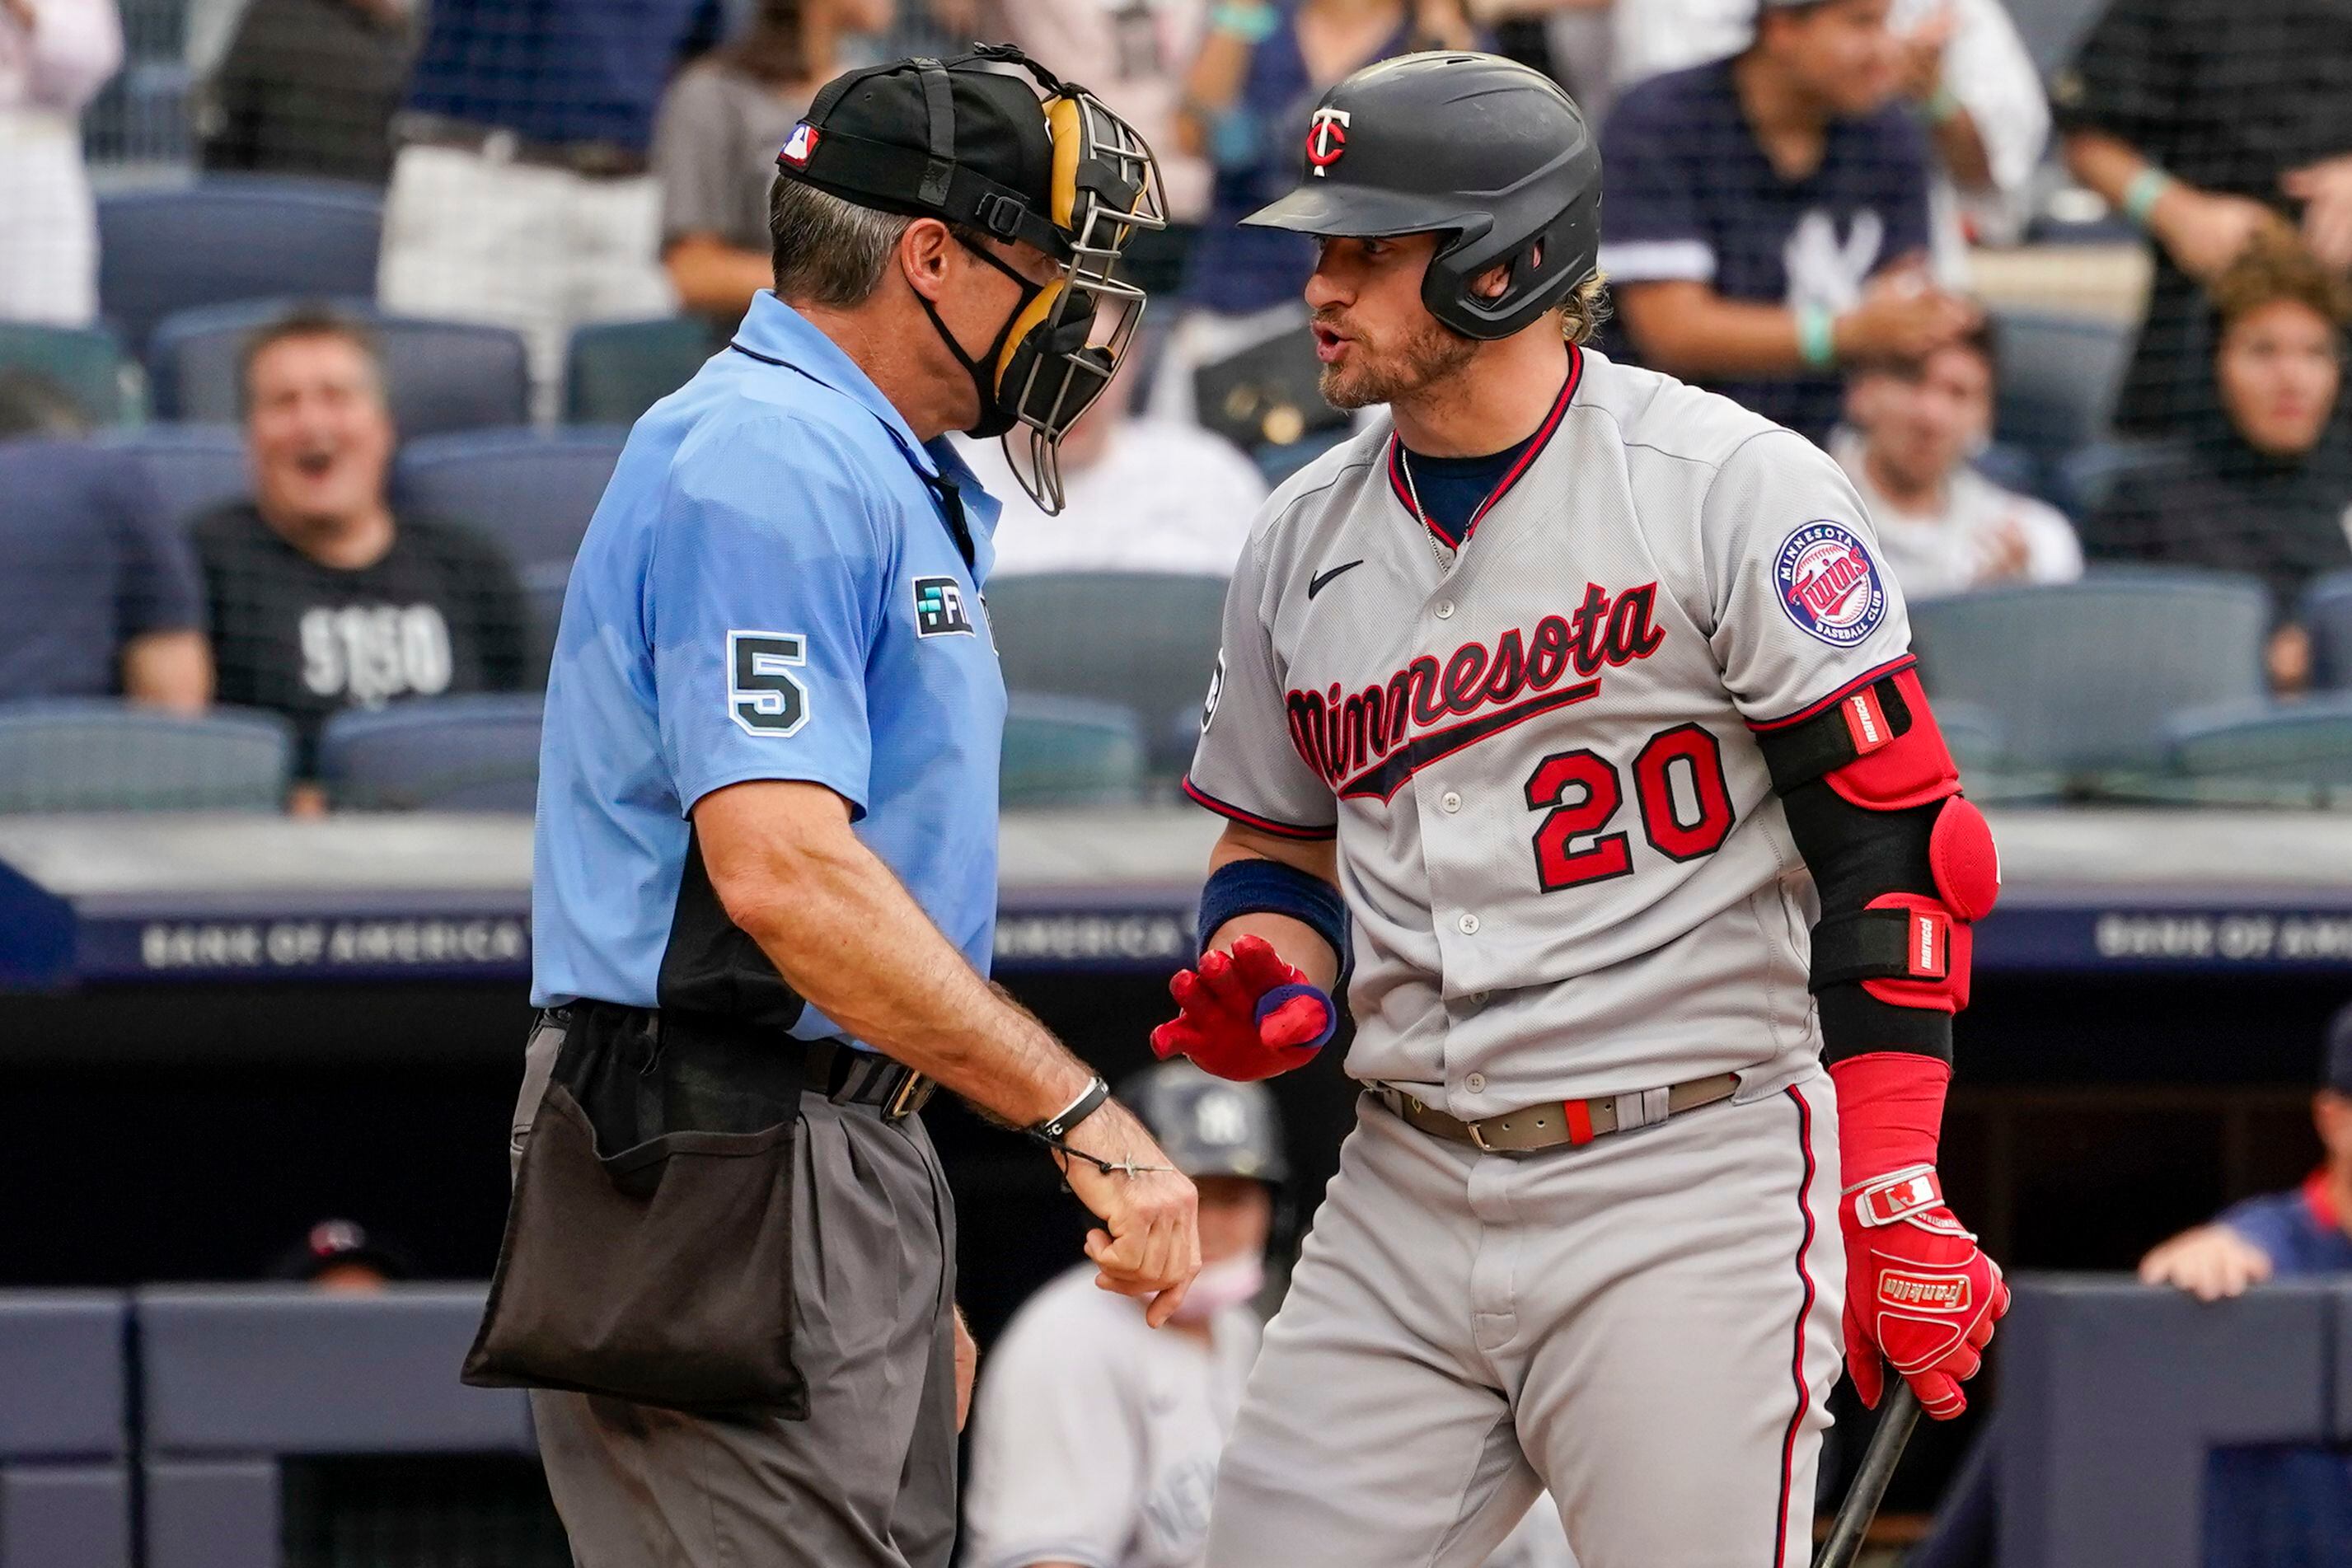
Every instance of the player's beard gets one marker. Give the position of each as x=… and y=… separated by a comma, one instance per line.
x=1427, y=355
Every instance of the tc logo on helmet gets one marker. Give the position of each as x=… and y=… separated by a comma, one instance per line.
x=1326, y=138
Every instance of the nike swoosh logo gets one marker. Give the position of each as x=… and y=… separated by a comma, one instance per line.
x=1315, y=584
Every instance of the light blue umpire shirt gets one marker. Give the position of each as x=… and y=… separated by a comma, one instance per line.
x=772, y=587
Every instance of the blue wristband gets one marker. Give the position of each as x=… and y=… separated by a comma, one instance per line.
x=1282, y=995
x=1269, y=887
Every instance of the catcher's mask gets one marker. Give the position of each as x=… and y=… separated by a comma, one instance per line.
x=992, y=160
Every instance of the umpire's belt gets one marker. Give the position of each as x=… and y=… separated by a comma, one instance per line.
x=833, y=1068
x=1572, y=1122
x=855, y=1077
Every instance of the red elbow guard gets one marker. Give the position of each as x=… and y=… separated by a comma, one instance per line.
x=1877, y=747
x=1878, y=751
x=1937, y=942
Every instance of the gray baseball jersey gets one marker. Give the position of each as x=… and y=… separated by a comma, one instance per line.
x=1566, y=870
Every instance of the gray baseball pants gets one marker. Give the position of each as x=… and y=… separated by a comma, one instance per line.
x=868, y=1479
x=1647, y=1326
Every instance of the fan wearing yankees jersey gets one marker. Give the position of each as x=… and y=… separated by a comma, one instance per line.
x=1569, y=709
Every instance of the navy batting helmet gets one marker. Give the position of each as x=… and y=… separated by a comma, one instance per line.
x=1208, y=1126
x=1487, y=152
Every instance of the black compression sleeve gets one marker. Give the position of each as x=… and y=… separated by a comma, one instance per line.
x=1855, y=855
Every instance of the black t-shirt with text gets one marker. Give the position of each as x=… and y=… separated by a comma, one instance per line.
x=441, y=613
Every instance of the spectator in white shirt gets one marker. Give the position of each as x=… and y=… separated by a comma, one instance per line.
x=54, y=57
x=1966, y=74
x=1943, y=527
x=1140, y=495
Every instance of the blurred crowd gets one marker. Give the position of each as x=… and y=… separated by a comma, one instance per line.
x=1799, y=198
x=1794, y=196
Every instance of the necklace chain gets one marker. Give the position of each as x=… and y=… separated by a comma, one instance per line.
x=1428, y=529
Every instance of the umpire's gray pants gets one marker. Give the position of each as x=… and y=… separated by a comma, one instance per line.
x=868, y=1479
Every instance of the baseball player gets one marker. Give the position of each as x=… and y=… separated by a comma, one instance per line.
x=1097, y=1439
x=1581, y=695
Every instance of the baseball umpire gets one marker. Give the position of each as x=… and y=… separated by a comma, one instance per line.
x=764, y=884
x=1580, y=696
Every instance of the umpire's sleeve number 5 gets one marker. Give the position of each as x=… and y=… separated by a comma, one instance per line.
x=764, y=696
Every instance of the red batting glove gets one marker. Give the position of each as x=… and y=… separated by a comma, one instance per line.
x=1918, y=1292
x=1246, y=1015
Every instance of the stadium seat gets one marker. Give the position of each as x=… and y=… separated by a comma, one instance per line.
x=86, y=362
x=2059, y=376
x=2011, y=468
x=194, y=467
x=1146, y=640
x=2080, y=677
x=533, y=492
x=615, y=371
x=2262, y=752
x=1070, y=751
x=447, y=754
x=2326, y=613
x=440, y=375
x=231, y=237
x=2084, y=479
x=1974, y=734
x=100, y=756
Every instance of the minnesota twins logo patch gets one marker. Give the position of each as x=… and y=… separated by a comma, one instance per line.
x=1829, y=585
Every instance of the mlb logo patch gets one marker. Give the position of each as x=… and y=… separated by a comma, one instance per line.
x=1829, y=584
x=939, y=608
x=799, y=146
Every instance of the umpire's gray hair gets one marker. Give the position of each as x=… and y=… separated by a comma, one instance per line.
x=828, y=251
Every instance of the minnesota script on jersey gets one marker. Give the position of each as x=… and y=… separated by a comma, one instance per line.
x=1565, y=867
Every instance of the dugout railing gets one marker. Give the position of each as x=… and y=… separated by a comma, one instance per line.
x=201, y=1399
x=65, y=1430
x=2113, y=1395
x=235, y=1382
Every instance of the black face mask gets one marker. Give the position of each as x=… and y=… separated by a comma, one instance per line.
x=998, y=412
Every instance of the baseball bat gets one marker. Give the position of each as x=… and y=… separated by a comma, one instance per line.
x=1901, y=1413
